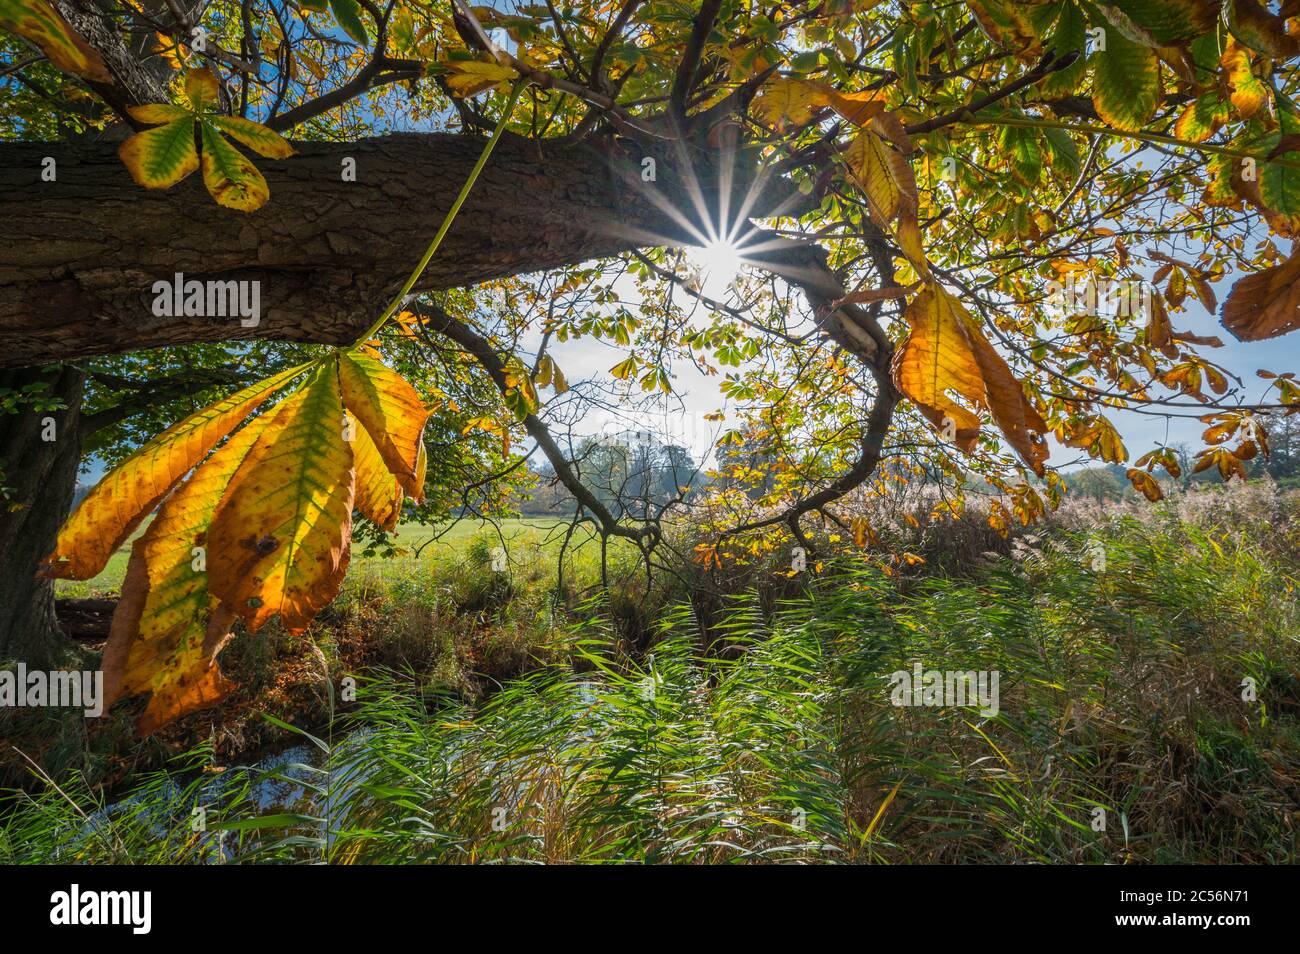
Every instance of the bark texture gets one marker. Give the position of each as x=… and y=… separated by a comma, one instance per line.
x=82, y=253
x=42, y=477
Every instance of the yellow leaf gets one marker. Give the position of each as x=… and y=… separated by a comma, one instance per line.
x=390, y=409
x=935, y=359
x=1145, y=484
x=263, y=141
x=857, y=108
x=790, y=101
x=883, y=174
x=202, y=89
x=946, y=351
x=1004, y=23
x=545, y=371
x=230, y=176
x=558, y=380
x=155, y=113
x=172, y=51
x=38, y=22
x=110, y=512
x=281, y=537
x=167, y=629
x=1248, y=92
x=379, y=495
x=624, y=369
x=422, y=468
x=470, y=77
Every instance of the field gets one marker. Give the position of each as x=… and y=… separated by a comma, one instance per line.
x=419, y=547
x=1149, y=711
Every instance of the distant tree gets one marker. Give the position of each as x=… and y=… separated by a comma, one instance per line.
x=1284, y=444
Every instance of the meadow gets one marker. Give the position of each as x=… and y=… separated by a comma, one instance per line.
x=1149, y=712
x=418, y=545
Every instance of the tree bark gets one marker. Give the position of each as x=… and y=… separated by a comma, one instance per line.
x=81, y=254
x=42, y=477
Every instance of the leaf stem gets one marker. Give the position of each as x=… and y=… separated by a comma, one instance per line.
x=447, y=220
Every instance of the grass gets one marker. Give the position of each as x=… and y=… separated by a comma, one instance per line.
x=1123, y=732
x=544, y=534
x=444, y=615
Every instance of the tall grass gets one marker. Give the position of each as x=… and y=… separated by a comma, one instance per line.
x=1124, y=732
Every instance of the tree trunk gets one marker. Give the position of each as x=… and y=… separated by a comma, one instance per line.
x=82, y=253
x=42, y=476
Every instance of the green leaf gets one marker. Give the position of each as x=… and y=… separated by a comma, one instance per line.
x=1155, y=23
x=348, y=13
x=1125, y=82
x=1064, y=153
x=1279, y=185
x=1021, y=146
x=1070, y=36
x=230, y=176
x=1202, y=117
x=161, y=157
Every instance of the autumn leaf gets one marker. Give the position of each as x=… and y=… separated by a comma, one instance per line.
x=42, y=25
x=1228, y=463
x=884, y=175
x=945, y=351
x=167, y=629
x=857, y=108
x=202, y=90
x=265, y=142
x=230, y=177
x=160, y=158
x=1248, y=91
x=1161, y=23
x=1097, y=435
x=785, y=101
x=1260, y=29
x=1004, y=396
x=1005, y=23
x=624, y=369
x=379, y=494
x=1165, y=457
x=1145, y=484
x=935, y=359
x=391, y=410
x=117, y=504
x=1201, y=118
x=1265, y=304
x=281, y=537
x=1125, y=82
x=471, y=77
